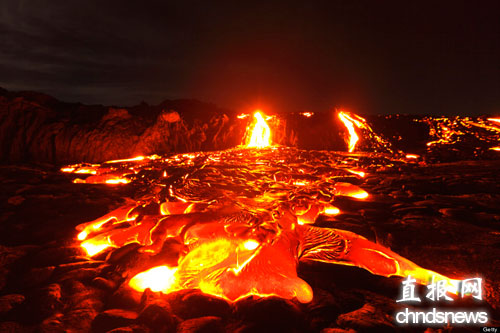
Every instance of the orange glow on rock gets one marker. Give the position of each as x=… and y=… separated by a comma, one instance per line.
x=260, y=136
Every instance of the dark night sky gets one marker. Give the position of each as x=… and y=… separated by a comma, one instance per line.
x=369, y=57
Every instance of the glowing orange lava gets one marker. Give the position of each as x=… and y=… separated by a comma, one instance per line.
x=95, y=245
x=260, y=136
x=357, y=128
x=350, y=190
x=359, y=173
x=227, y=268
x=448, y=131
x=244, y=218
x=349, y=124
x=242, y=116
x=160, y=278
x=137, y=158
x=235, y=248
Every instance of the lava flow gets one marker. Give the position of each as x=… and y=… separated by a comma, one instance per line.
x=240, y=219
x=357, y=126
x=350, y=123
x=461, y=133
x=260, y=133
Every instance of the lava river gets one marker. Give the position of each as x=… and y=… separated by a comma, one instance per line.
x=239, y=220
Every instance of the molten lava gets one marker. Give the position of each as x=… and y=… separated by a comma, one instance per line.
x=462, y=131
x=244, y=219
x=160, y=278
x=357, y=128
x=241, y=219
x=260, y=133
x=349, y=123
